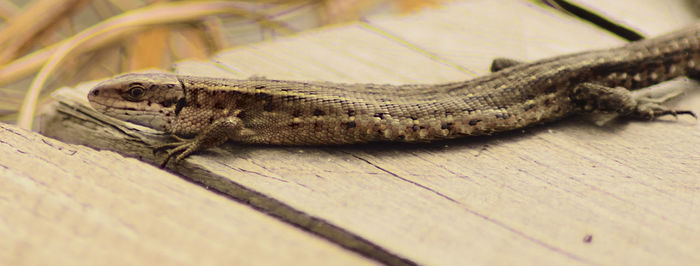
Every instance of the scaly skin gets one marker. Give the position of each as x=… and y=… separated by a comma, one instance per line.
x=517, y=95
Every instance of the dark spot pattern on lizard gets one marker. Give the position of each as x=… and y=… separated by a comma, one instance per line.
x=181, y=103
x=503, y=116
x=380, y=115
x=263, y=96
x=167, y=102
x=515, y=97
x=220, y=105
x=193, y=98
x=242, y=114
x=548, y=102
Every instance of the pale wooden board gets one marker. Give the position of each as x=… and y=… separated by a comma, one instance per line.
x=64, y=204
x=649, y=17
x=471, y=34
x=527, y=197
x=326, y=55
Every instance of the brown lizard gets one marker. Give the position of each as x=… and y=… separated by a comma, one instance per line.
x=214, y=110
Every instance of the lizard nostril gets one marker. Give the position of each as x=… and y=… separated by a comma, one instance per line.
x=95, y=92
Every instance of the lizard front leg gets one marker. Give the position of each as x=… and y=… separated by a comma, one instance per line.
x=227, y=128
x=597, y=98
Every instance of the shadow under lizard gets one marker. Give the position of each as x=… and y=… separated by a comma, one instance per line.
x=211, y=111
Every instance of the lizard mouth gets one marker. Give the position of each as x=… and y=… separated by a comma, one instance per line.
x=149, y=117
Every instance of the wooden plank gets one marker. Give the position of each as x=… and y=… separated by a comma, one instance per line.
x=471, y=34
x=569, y=192
x=649, y=17
x=72, y=205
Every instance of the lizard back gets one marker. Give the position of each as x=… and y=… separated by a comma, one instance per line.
x=293, y=112
x=299, y=113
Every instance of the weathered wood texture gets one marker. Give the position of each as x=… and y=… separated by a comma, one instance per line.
x=648, y=16
x=563, y=193
x=67, y=204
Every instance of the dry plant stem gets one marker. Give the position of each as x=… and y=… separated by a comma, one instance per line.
x=214, y=28
x=148, y=49
x=8, y=10
x=30, y=63
x=24, y=28
x=151, y=15
x=189, y=42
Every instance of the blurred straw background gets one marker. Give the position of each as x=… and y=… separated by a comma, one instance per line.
x=47, y=44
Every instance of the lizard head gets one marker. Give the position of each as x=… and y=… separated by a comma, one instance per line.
x=147, y=99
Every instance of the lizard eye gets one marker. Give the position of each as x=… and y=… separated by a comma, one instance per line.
x=135, y=92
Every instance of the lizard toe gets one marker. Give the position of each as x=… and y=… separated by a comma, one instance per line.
x=178, y=149
x=652, y=110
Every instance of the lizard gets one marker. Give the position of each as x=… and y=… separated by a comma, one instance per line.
x=204, y=112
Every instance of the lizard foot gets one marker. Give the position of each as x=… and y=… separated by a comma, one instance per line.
x=651, y=108
x=227, y=128
x=179, y=149
x=597, y=98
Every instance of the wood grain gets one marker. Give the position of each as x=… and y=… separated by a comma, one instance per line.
x=563, y=193
x=67, y=204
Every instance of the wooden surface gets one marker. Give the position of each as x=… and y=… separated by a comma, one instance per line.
x=647, y=16
x=563, y=193
x=67, y=204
